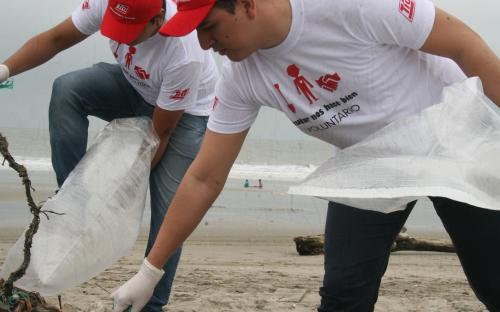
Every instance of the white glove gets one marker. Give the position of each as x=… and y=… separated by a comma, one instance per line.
x=137, y=291
x=4, y=73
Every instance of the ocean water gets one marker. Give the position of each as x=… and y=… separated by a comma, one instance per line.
x=273, y=152
x=239, y=211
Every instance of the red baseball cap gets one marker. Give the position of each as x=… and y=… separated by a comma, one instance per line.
x=124, y=20
x=190, y=13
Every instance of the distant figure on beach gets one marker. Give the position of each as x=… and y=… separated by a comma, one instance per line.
x=247, y=184
x=373, y=62
x=170, y=80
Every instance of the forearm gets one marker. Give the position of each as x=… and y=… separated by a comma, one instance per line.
x=160, y=151
x=164, y=123
x=193, y=199
x=33, y=53
x=44, y=46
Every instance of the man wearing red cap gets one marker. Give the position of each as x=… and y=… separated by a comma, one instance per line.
x=169, y=79
x=339, y=70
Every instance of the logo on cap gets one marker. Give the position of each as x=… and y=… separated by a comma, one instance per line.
x=121, y=8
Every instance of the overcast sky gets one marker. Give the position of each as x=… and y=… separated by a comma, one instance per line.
x=26, y=105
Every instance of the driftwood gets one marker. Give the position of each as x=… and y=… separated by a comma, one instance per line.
x=313, y=245
x=309, y=245
x=13, y=299
x=405, y=242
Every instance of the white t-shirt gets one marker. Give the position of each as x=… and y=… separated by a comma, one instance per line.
x=173, y=73
x=346, y=69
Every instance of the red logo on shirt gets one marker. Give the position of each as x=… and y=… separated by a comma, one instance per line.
x=85, y=5
x=407, y=8
x=216, y=101
x=329, y=82
x=129, y=56
x=115, y=53
x=141, y=73
x=289, y=105
x=180, y=95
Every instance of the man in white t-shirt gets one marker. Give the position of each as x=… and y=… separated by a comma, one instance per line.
x=339, y=70
x=169, y=79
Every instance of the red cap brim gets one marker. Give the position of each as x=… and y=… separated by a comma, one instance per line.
x=120, y=32
x=184, y=22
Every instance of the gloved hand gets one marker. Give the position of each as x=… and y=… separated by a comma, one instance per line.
x=137, y=291
x=4, y=73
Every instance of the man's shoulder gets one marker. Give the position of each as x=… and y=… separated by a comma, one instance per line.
x=329, y=8
x=186, y=47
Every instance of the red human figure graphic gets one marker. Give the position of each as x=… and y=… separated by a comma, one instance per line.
x=85, y=5
x=290, y=106
x=115, y=53
x=301, y=83
x=129, y=56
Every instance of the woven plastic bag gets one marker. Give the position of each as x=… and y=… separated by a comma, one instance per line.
x=102, y=202
x=450, y=149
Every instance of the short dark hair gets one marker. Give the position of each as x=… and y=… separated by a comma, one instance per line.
x=228, y=5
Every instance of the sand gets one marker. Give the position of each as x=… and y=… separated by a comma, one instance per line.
x=217, y=274
x=230, y=267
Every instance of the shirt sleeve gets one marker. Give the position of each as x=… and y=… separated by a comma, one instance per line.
x=405, y=23
x=232, y=112
x=88, y=16
x=179, y=87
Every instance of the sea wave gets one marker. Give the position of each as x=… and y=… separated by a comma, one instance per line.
x=31, y=163
x=270, y=172
x=283, y=172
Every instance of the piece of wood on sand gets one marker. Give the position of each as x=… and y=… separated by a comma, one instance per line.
x=313, y=245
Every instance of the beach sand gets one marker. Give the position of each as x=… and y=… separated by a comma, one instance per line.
x=266, y=274
x=244, y=267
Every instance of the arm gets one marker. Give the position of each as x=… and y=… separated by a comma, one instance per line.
x=205, y=178
x=453, y=39
x=170, y=106
x=44, y=46
x=164, y=123
x=200, y=187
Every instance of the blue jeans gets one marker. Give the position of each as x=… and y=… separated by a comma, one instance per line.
x=358, y=242
x=102, y=91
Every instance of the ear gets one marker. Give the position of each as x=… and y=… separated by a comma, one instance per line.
x=250, y=7
x=158, y=19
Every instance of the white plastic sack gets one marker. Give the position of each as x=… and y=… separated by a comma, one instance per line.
x=451, y=149
x=102, y=200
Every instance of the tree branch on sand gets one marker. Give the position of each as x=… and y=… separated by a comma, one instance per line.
x=8, y=299
x=313, y=245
